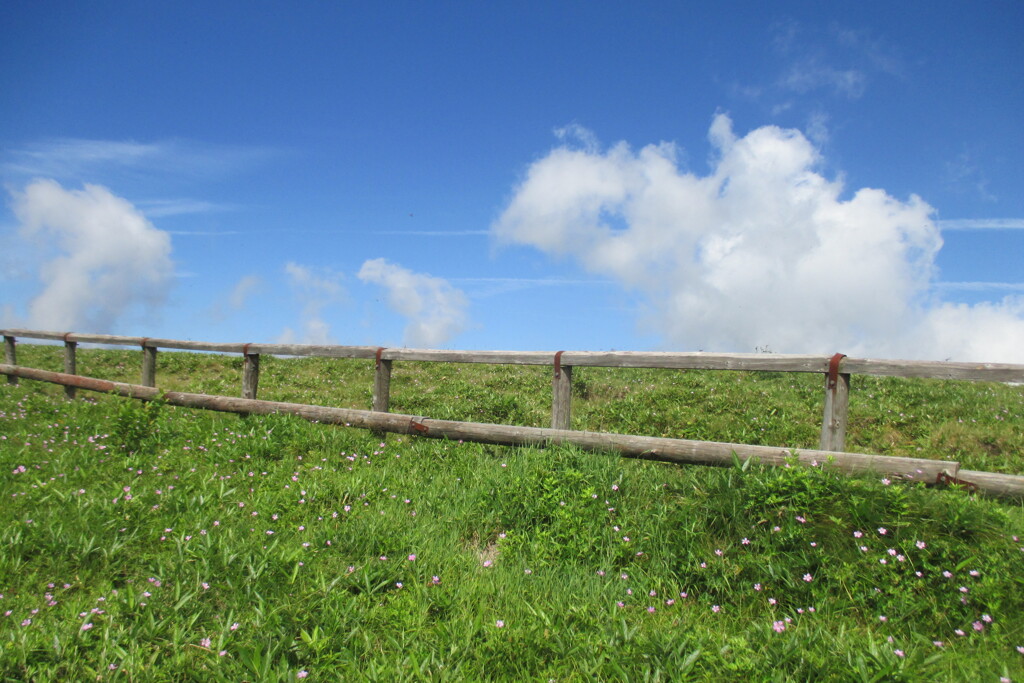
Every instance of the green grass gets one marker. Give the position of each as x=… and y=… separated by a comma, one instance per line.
x=148, y=542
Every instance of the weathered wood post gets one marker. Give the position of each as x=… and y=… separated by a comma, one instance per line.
x=837, y=400
x=561, y=394
x=148, y=364
x=69, y=365
x=250, y=373
x=10, y=357
x=381, y=383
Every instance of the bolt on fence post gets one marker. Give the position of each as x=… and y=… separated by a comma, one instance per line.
x=10, y=357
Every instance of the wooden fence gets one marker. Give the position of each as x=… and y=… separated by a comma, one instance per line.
x=835, y=369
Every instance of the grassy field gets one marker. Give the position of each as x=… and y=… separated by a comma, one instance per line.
x=147, y=542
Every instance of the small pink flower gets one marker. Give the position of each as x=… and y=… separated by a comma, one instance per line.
x=779, y=626
x=205, y=642
x=882, y=530
x=86, y=627
x=716, y=609
x=808, y=578
x=899, y=653
x=499, y=623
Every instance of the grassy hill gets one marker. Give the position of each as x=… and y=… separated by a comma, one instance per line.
x=148, y=542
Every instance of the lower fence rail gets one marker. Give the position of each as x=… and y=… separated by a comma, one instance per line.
x=682, y=451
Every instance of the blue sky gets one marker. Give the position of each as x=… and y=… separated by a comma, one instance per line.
x=801, y=177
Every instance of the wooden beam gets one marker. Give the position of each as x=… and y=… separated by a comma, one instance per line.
x=769, y=362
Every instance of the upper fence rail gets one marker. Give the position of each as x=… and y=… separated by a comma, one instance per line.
x=837, y=368
x=772, y=362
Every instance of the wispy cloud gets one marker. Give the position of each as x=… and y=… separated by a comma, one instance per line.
x=235, y=300
x=761, y=251
x=314, y=289
x=434, y=309
x=483, y=287
x=982, y=224
x=981, y=286
x=160, y=208
x=76, y=159
x=810, y=74
x=435, y=233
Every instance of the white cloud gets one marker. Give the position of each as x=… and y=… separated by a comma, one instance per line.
x=315, y=289
x=436, y=311
x=761, y=251
x=110, y=261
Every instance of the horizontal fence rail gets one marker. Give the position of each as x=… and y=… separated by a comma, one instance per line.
x=836, y=369
x=644, y=447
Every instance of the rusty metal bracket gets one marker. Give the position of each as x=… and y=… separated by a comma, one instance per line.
x=144, y=340
x=245, y=349
x=950, y=480
x=376, y=363
x=833, y=370
x=558, y=364
x=419, y=427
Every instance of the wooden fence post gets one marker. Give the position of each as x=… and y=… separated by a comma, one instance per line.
x=148, y=365
x=69, y=366
x=381, y=384
x=837, y=400
x=10, y=357
x=250, y=373
x=561, y=395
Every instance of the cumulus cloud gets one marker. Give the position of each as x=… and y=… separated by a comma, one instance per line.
x=315, y=289
x=109, y=260
x=436, y=310
x=761, y=251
